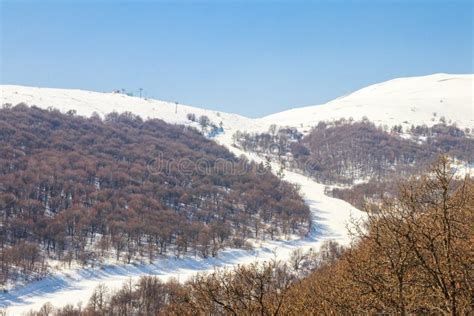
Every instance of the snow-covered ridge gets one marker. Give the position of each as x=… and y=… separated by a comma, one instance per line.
x=415, y=100
x=87, y=102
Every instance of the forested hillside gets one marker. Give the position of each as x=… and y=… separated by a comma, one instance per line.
x=345, y=151
x=350, y=151
x=83, y=189
x=412, y=256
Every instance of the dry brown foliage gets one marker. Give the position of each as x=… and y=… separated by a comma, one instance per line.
x=413, y=255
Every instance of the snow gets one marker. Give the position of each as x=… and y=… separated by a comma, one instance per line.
x=406, y=101
x=87, y=102
x=393, y=102
x=413, y=100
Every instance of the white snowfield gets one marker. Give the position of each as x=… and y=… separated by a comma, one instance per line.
x=393, y=102
x=412, y=100
x=87, y=102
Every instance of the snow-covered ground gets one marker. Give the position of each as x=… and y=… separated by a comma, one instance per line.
x=413, y=100
x=87, y=102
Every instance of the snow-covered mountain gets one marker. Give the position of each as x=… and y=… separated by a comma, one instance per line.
x=406, y=101
x=414, y=100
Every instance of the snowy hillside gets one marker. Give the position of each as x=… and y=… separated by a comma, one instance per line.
x=87, y=102
x=413, y=100
x=407, y=99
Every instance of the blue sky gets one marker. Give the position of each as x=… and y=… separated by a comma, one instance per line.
x=248, y=57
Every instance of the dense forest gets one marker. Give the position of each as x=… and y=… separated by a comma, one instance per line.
x=345, y=151
x=77, y=189
x=413, y=255
x=369, y=161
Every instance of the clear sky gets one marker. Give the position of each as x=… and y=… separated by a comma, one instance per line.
x=248, y=57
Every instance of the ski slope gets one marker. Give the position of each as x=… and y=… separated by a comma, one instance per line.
x=413, y=100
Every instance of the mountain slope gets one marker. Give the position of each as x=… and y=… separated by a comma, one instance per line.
x=413, y=100
x=87, y=102
x=329, y=215
x=67, y=182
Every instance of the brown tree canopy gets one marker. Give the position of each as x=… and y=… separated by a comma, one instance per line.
x=413, y=256
x=75, y=188
x=344, y=150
